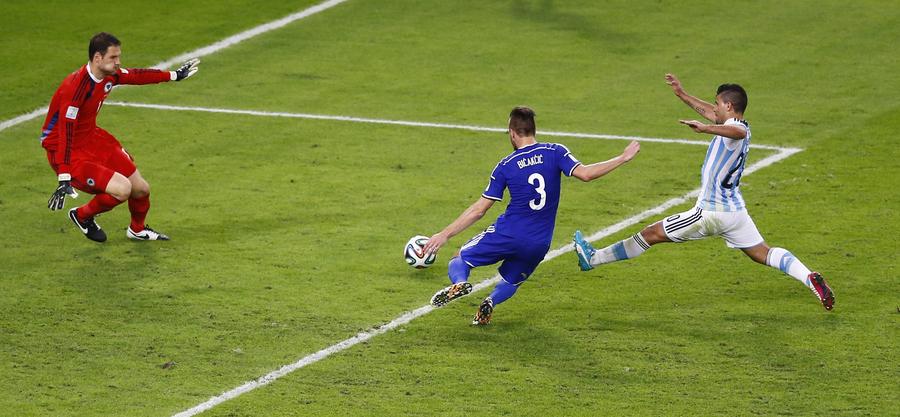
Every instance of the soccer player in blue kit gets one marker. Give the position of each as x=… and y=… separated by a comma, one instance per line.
x=521, y=236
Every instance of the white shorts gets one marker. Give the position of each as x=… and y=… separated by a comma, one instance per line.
x=736, y=227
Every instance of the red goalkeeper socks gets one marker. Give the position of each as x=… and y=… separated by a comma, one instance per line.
x=139, y=208
x=101, y=203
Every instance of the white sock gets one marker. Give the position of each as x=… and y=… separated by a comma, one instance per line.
x=620, y=251
x=785, y=261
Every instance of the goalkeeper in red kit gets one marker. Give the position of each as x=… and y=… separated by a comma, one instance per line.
x=89, y=158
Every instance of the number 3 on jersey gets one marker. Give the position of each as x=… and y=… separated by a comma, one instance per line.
x=537, y=180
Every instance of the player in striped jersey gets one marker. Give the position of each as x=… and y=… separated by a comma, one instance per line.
x=521, y=236
x=720, y=208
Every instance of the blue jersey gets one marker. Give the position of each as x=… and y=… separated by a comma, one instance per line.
x=532, y=175
x=722, y=169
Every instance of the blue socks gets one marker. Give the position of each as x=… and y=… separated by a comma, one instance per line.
x=458, y=270
x=503, y=291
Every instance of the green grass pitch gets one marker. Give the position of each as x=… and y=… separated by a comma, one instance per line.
x=287, y=233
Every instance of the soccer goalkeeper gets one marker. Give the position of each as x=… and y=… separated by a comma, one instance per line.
x=90, y=159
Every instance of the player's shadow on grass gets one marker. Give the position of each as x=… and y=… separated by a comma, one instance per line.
x=518, y=342
x=119, y=258
x=750, y=339
x=545, y=13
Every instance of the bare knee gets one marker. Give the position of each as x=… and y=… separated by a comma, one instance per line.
x=759, y=253
x=119, y=187
x=654, y=234
x=139, y=188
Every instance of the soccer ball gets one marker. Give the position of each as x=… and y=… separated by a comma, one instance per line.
x=414, y=255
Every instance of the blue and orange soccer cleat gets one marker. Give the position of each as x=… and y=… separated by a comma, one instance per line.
x=483, y=315
x=450, y=293
x=584, y=250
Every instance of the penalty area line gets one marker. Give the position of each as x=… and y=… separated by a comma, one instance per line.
x=352, y=119
x=421, y=311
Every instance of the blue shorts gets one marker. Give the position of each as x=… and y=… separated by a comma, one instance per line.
x=520, y=257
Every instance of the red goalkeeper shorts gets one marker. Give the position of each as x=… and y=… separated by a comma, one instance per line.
x=92, y=167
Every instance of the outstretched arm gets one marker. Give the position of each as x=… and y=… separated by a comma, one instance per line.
x=140, y=76
x=728, y=131
x=599, y=169
x=472, y=214
x=701, y=107
x=151, y=76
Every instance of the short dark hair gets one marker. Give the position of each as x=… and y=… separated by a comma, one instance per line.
x=100, y=43
x=521, y=121
x=734, y=94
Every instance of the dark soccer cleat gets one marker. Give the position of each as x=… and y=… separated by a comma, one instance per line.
x=821, y=289
x=146, y=234
x=584, y=250
x=483, y=315
x=89, y=227
x=450, y=293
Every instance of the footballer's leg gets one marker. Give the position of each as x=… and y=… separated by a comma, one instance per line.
x=632, y=247
x=502, y=292
x=746, y=236
x=117, y=158
x=513, y=272
x=139, y=205
x=786, y=262
x=139, y=186
x=485, y=248
x=109, y=189
x=138, y=198
x=458, y=271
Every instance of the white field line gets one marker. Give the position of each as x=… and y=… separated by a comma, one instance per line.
x=409, y=316
x=6, y=124
x=421, y=311
x=352, y=119
x=204, y=51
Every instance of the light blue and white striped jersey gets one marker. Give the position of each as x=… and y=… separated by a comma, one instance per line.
x=721, y=172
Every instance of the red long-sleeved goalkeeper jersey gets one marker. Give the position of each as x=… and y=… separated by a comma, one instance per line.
x=72, y=115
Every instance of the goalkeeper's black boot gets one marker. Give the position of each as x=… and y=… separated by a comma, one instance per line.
x=450, y=293
x=89, y=227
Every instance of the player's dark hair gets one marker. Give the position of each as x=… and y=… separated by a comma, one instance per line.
x=734, y=94
x=521, y=121
x=100, y=43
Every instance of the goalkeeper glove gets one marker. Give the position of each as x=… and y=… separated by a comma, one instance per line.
x=187, y=69
x=58, y=199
